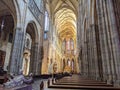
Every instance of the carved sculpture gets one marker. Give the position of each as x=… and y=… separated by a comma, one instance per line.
x=18, y=80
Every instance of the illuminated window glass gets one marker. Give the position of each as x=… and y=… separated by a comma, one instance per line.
x=68, y=45
x=72, y=44
x=63, y=46
x=46, y=21
x=45, y=35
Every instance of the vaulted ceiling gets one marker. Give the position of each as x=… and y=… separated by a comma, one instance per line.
x=7, y=7
x=64, y=14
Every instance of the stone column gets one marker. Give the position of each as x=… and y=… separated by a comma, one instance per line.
x=41, y=50
x=41, y=55
x=99, y=63
x=115, y=42
x=1, y=37
x=34, y=62
x=103, y=38
x=16, y=54
x=109, y=43
x=116, y=10
x=94, y=54
x=85, y=54
x=88, y=52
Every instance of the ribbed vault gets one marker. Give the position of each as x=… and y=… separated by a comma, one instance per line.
x=64, y=12
x=65, y=21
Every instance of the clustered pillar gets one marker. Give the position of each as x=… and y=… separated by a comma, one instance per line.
x=99, y=41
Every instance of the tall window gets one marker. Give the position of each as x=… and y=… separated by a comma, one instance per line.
x=46, y=21
x=46, y=25
x=68, y=62
x=45, y=35
x=63, y=45
x=71, y=44
x=68, y=45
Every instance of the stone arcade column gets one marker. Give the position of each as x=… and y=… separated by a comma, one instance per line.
x=84, y=54
x=99, y=70
x=92, y=55
x=89, y=61
x=41, y=52
x=34, y=58
x=41, y=55
x=104, y=44
x=115, y=44
x=80, y=35
x=93, y=52
x=116, y=6
x=16, y=54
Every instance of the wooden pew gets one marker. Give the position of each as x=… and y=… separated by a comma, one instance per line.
x=61, y=86
x=77, y=82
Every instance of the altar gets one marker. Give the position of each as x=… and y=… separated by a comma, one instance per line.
x=68, y=69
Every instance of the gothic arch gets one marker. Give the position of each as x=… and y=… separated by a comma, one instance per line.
x=31, y=29
x=34, y=32
x=7, y=9
x=8, y=21
x=18, y=13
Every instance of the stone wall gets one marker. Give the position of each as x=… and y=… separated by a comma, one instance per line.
x=99, y=40
x=26, y=16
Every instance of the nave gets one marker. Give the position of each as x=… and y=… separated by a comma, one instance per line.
x=45, y=37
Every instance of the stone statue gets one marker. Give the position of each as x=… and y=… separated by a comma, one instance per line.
x=18, y=80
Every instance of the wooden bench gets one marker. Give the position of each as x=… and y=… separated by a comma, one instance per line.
x=61, y=86
x=77, y=82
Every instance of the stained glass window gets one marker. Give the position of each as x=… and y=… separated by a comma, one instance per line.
x=45, y=35
x=71, y=44
x=68, y=45
x=69, y=63
x=63, y=45
x=46, y=25
x=46, y=21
